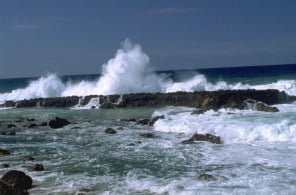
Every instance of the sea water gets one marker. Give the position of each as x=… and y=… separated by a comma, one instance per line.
x=257, y=155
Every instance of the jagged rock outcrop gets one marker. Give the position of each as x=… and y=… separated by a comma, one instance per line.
x=203, y=137
x=203, y=99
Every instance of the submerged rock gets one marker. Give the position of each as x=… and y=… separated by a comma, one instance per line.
x=8, y=133
x=153, y=120
x=206, y=177
x=58, y=123
x=4, y=152
x=4, y=165
x=110, y=131
x=198, y=111
x=17, y=180
x=32, y=125
x=11, y=126
x=35, y=167
x=203, y=137
x=147, y=135
x=28, y=158
x=144, y=121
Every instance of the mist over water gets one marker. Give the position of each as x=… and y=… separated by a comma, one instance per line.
x=130, y=71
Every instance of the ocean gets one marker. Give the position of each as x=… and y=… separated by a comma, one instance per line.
x=257, y=155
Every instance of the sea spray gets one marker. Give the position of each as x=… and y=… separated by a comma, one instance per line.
x=130, y=71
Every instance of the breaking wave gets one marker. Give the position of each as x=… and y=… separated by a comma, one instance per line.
x=130, y=72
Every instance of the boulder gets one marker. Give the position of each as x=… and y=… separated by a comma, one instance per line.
x=144, y=121
x=153, y=120
x=35, y=167
x=9, y=133
x=17, y=180
x=203, y=137
x=110, y=131
x=4, y=152
x=4, y=165
x=58, y=123
x=206, y=177
x=11, y=126
x=43, y=124
x=260, y=106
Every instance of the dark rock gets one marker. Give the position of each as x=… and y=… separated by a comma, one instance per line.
x=5, y=189
x=110, y=131
x=28, y=158
x=17, y=180
x=4, y=152
x=43, y=124
x=58, y=123
x=134, y=143
x=147, y=135
x=30, y=119
x=145, y=121
x=153, y=120
x=203, y=99
x=4, y=165
x=265, y=108
x=32, y=125
x=11, y=126
x=206, y=177
x=35, y=167
x=203, y=137
x=9, y=133
x=129, y=120
x=9, y=104
x=198, y=111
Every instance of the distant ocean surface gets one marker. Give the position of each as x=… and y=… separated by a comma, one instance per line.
x=257, y=155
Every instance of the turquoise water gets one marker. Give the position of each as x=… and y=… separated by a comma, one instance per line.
x=257, y=155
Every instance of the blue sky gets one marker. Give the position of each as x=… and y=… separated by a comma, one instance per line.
x=78, y=36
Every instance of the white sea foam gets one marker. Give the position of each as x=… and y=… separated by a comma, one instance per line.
x=130, y=72
x=231, y=125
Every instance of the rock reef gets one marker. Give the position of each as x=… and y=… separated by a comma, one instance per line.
x=204, y=100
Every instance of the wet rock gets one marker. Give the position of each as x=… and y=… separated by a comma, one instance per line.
x=145, y=121
x=265, y=108
x=11, y=126
x=28, y=158
x=8, y=133
x=9, y=104
x=4, y=152
x=35, y=167
x=58, y=123
x=18, y=180
x=206, y=177
x=32, y=125
x=129, y=120
x=110, y=131
x=76, y=128
x=134, y=143
x=203, y=137
x=153, y=120
x=4, y=165
x=198, y=111
x=43, y=124
x=30, y=119
x=5, y=189
x=147, y=135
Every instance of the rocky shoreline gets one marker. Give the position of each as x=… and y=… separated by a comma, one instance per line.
x=240, y=99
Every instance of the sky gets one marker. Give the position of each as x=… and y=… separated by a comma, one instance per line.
x=78, y=36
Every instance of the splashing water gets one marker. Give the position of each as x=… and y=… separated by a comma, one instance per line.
x=130, y=72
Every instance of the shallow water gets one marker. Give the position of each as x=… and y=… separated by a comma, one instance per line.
x=257, y=154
